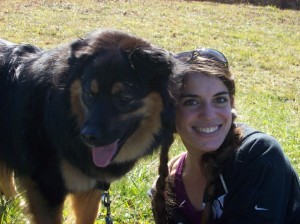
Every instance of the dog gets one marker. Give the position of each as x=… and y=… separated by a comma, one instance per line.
x=78, y=117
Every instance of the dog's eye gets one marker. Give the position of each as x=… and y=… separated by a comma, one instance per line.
x=88, y=97
x=125, y=99
x=89, y=94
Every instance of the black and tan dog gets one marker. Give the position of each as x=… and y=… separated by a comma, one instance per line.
x=77, y=117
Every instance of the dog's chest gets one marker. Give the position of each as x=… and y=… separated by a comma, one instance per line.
x=75, y=180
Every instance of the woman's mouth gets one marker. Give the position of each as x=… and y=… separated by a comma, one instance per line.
x=207, y=130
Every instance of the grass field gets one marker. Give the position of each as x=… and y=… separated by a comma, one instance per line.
x=262, y=45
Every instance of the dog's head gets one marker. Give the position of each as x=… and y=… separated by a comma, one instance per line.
x=120, y=96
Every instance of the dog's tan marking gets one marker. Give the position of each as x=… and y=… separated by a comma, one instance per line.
x=75, y=180
x=94, y=87
x=117, y=87
x=86, y=206
x=7, y=183
x=38, y=207
x=143, y=137
x=77, y=106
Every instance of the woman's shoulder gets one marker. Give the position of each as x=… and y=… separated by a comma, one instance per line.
x=257, y=144
x=252, y=133
x=173, y=163
x=253, y=136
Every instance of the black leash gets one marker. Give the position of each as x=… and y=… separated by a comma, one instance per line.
x=106, y=202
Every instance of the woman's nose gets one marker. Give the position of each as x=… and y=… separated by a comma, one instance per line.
x=207, y=111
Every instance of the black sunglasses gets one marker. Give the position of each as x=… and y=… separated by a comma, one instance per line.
x=205, y=53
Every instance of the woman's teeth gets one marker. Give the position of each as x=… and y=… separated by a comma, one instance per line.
x=208, y=129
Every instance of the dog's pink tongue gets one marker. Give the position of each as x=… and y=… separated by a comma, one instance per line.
x=103, y=155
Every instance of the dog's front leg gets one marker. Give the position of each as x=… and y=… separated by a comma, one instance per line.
x=44, y=209
x=7, y=183
x=86, y=206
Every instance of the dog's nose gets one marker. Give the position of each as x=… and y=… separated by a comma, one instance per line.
x=90, y=134
x=89, y=138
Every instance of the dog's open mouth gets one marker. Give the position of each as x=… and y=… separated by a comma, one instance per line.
x=103, y=155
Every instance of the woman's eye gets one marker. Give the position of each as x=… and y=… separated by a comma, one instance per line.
x=221, y=100
x=190, y=102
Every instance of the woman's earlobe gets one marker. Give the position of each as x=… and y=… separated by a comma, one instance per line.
x=234, y=113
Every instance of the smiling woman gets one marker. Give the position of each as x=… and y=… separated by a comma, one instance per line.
x=228, y=171
x=203, y=116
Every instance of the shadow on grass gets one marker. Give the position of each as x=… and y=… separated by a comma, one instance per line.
x=281, y=4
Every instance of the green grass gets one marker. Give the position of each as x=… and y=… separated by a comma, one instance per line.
x=10, y=212
x=261, y=43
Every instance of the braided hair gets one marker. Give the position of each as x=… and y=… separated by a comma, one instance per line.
x=212, y=65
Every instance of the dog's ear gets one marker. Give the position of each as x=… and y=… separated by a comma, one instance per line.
x=151, y=62
x=80, y=49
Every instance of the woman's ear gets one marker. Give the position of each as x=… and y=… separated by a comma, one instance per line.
x=232, y=101
x=233, y=110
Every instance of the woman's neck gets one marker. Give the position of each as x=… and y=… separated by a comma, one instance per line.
x=194, y=180
x=193, y=164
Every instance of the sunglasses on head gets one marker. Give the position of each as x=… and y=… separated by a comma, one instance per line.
x=204, y=53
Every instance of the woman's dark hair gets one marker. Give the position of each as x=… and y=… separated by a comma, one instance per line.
x=211, y=63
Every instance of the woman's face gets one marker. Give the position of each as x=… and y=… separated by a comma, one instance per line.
x=203, y=113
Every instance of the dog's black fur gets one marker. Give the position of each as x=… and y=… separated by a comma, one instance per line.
x=57, y=106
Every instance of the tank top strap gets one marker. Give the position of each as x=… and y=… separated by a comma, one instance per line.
x=179, y=169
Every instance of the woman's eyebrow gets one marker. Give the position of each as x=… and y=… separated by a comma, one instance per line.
x=195, y=95
x=187, y=95
x=222, y=93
